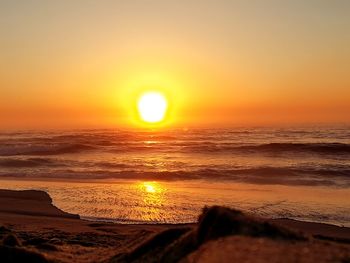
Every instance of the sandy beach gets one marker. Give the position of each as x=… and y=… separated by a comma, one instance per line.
x=31, y=225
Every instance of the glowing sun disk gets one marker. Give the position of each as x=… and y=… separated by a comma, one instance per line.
x=152, y=107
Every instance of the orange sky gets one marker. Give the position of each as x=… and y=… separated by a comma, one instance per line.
x=81, y=63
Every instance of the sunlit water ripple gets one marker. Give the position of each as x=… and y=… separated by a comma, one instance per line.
x=169, y=176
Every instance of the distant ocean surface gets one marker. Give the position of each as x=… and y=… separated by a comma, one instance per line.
x=167, y=176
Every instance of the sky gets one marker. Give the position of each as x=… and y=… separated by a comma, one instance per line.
x=82, y=63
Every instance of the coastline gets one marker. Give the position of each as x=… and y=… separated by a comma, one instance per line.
x=308, y=203
x=59, y=235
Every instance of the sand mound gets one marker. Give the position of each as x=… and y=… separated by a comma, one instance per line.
x=11, y=250
x=245, y=249
x=30, y=202
x=15, y=255
x=215, y=222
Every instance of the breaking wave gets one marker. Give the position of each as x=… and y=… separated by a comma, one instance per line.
x=264, y=156
x=49, y=149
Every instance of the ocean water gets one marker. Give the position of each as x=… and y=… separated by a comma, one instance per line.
x=168, y=176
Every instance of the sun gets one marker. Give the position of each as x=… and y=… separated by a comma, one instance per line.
x=152, y=106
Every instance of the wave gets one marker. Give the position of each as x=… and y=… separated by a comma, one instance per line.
x=29, y=163
x=272, y=148
x=202, y=147
x=339, y=177
x=54, y=149
x=302, y=147
x=197, y=147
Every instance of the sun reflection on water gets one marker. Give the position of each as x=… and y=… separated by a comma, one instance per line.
x=149, y=188
x=152, y=197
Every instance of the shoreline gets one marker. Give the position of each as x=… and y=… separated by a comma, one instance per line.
x=46, y=231
x=233, y=195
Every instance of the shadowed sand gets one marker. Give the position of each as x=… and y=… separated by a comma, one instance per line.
x=33, y=230
x=30, y=202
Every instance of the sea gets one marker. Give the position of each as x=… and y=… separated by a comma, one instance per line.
x=168, y=176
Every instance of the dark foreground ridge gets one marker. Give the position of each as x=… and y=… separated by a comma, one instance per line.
x=215, y=222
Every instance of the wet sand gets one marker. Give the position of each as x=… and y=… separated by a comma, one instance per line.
x=29, y=223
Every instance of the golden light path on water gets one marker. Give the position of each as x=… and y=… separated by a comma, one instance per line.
x=130, y=201
x=152, y=194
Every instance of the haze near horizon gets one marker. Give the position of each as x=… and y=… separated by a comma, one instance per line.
x=82, y=64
